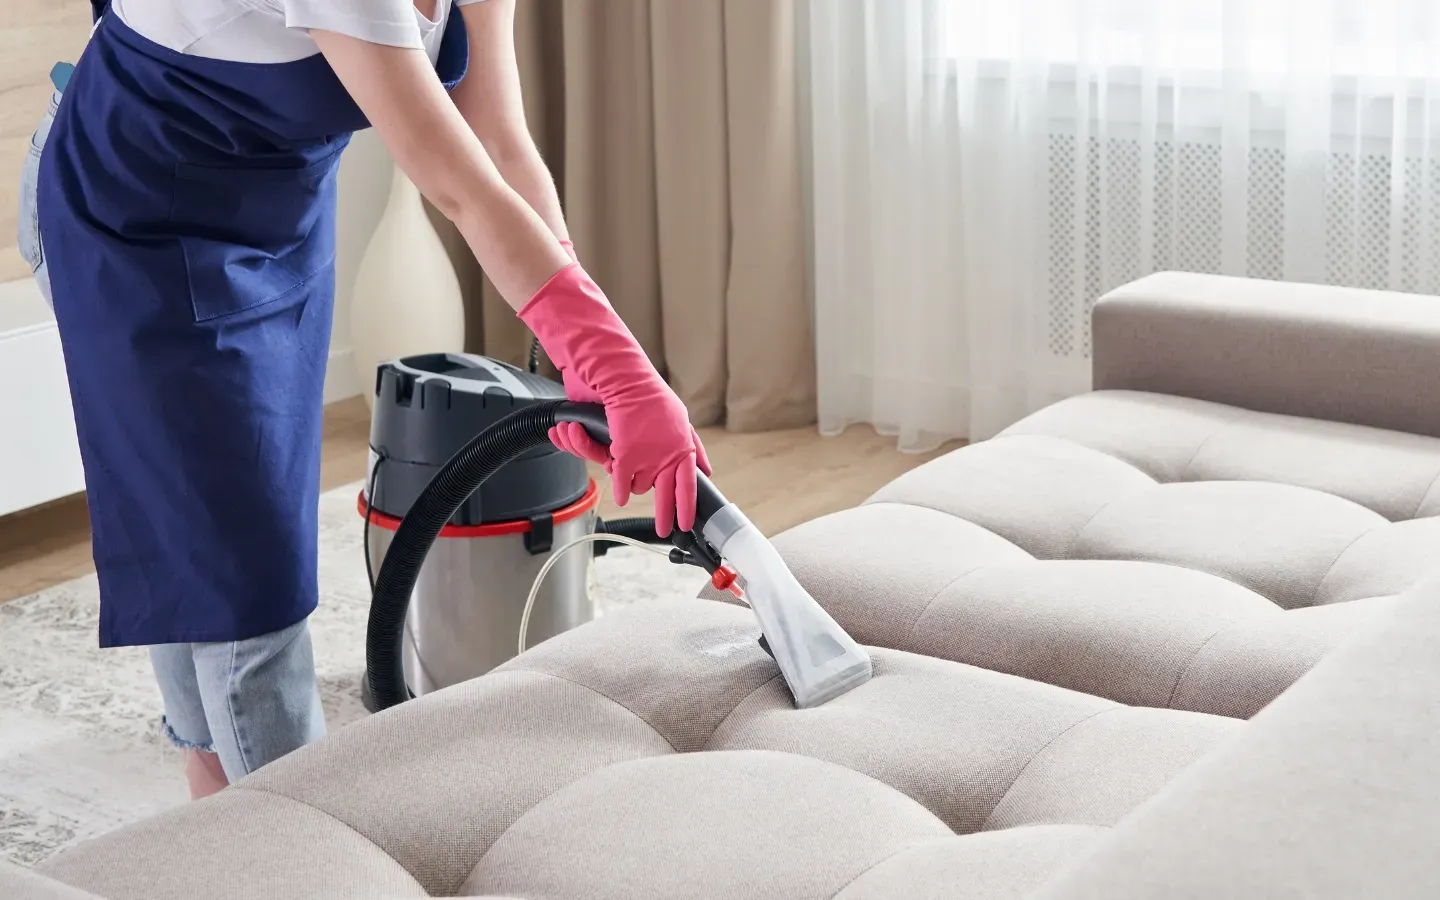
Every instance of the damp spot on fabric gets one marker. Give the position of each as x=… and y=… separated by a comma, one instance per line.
x=724, y=643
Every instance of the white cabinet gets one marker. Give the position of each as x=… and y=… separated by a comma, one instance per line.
x=39, y=455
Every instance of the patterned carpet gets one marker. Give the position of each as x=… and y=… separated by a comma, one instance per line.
x=80, y=753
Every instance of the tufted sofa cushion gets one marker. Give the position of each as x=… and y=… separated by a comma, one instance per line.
x=655, y=753
x=1154, y=550
x=1072, y=624
x=1065, y=618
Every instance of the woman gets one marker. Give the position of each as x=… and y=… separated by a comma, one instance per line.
x=185, y=225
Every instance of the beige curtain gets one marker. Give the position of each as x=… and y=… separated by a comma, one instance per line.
x=671, y=127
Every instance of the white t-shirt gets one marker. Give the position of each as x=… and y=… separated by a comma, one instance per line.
x=276, y=31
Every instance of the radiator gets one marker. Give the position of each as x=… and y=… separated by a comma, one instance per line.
x=1381, y=229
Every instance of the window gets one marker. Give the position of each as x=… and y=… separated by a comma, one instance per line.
x=1262, y=39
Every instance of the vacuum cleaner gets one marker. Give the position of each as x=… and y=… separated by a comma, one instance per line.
x=500, y=515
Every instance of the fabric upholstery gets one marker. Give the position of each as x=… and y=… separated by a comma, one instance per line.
x=1152, y=550
x=1064, y=619
x=1330, y=793
x=996, y=865
x=1332, y=353
x=1080, y=630
x=17, y=882
x=656, y=753
x=431, y=798
x=704, y=809
x=236, y=844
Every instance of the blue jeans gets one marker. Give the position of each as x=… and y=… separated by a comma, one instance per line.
x=29, y=219
x=250, y=701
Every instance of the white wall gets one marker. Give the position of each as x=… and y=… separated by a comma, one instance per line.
x=365, y=172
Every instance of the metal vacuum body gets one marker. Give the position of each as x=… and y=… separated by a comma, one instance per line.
x=466, y=606
x=465, y=610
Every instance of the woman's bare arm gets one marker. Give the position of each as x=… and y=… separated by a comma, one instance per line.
x=438, y=150
x=490, y=100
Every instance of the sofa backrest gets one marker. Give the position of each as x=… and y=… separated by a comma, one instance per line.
x=1342, y=354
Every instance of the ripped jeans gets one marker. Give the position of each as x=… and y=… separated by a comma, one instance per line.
x=250, y=701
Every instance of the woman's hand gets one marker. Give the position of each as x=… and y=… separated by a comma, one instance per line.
x=652, y=444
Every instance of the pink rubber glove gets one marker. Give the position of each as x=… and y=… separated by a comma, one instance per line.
x=573, y=438
x=568, y=436
x=561, y=435
x=652, y=444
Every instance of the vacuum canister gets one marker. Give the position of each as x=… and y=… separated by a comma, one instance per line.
x=465, y=611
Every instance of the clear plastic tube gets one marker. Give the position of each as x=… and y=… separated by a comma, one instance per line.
x=555, y=557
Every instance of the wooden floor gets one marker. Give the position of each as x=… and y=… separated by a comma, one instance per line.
x=779, y=478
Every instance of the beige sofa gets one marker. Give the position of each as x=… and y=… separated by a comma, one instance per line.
x=1081, y=629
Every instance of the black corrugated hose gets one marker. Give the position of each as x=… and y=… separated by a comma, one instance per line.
x=639, y=529
x=453, y=484
x=471, y=465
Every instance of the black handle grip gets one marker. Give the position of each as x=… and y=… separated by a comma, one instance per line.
x=591, y=415
x=708, y=499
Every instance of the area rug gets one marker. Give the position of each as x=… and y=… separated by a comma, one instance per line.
x=80, y=753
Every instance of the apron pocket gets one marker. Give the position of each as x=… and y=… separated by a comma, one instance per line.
x=252, y=236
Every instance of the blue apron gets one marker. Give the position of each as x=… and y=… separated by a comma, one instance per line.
x=187, y=210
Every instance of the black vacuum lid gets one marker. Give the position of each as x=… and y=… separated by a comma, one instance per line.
x=428, y=407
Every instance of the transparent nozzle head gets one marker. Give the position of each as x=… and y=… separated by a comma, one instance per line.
x=817, y=658
x=814, y=685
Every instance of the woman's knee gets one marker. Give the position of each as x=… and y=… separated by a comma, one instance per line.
x=261, y=697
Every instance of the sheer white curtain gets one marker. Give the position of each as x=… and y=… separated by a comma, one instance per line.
x=982, y=172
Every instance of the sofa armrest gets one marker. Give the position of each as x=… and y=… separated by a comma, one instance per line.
x=1329, y=793
x=1343, y=354
x=24, y=883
